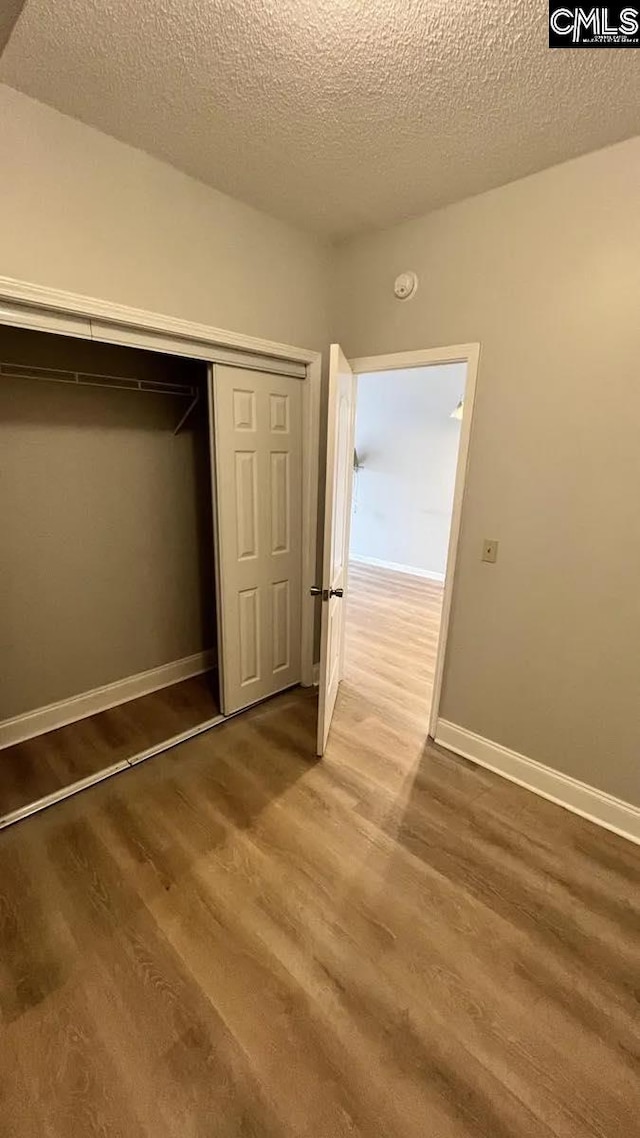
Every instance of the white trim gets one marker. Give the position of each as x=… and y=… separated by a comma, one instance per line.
x=210, y=352
x=22, y=316
x=612, y=813
x=396, y=567
x=430, y=357
x=54, y=715
x=310, y=467
x=211, y=369
x=426, y=357
x=19, y=297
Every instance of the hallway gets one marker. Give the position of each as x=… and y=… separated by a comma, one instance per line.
x=393, y=621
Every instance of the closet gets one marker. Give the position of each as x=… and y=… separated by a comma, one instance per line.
x=150, y=553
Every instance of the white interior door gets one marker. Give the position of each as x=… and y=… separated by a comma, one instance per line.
x=258, y=466
x=337, y=525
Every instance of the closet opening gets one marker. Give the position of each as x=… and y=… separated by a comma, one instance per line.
x=108, y=624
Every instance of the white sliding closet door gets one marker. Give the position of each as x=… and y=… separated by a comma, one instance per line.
x=258, y=465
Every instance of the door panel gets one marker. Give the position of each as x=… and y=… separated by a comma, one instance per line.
x=258, y=461
x=338, y=491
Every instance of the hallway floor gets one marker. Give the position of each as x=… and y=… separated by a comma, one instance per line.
x=235, y=939
x=393, y=622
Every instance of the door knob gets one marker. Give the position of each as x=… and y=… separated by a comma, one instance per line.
x=325, y=593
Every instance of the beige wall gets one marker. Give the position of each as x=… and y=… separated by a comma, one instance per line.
x=106, y=547
x=545, y=273
x=9, y=13
x=544, y=652
x=83, y=212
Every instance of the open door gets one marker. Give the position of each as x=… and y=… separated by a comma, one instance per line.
x=337, y=524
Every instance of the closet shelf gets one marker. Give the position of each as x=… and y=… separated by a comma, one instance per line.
x=117, y=382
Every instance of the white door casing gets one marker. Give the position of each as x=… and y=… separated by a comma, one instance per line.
x=337, y=524
x=468, y=354
x=258, y=499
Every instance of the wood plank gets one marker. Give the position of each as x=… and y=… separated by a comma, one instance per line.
x=238, y=939
x=44, y=765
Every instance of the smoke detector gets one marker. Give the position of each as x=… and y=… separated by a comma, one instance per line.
x=405, y=286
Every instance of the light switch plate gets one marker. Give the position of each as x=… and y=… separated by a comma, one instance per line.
x=490, y=550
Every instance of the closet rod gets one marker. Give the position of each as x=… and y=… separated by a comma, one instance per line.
x=113, y=382
x=89, y=379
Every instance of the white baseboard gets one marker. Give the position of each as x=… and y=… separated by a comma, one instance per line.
x=32, y=723
x=396, y=567
x=605, y=810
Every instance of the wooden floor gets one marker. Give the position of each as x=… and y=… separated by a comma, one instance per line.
x=234, y=939
x=393, y=622
x=49, y=763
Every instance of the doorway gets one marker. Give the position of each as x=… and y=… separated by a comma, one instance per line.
x=407, y=438
x=108, y=626
x=422, y=543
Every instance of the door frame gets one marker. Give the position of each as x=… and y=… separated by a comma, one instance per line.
x=43, y=309
x=468, y=354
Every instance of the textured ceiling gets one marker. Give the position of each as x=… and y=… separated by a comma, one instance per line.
x=338, y=115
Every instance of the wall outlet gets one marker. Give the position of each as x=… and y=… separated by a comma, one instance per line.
x=490, y=550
